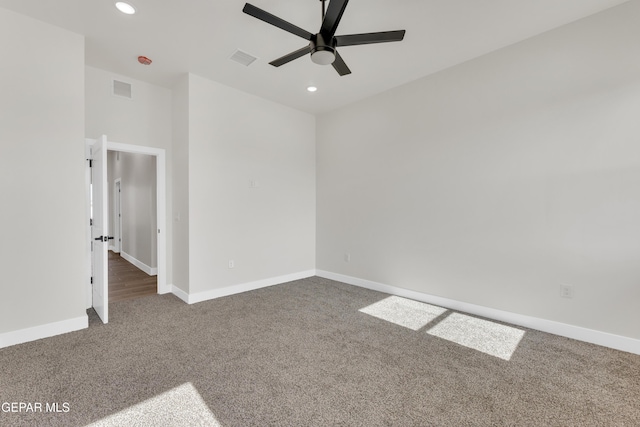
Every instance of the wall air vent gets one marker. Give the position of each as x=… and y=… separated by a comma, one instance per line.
x=122, y=89
x=242, y=58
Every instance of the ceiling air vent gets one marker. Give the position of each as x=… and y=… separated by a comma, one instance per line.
x=122, y=89
x=242, y=58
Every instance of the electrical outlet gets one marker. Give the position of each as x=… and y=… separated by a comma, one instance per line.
x=231, y=263
x=566, y=291
x=347, y=257
x=253, y=183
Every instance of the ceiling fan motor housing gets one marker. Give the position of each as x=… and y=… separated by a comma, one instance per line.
x=323, y=53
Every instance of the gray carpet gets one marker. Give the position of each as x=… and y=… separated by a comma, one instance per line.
x=303, y=354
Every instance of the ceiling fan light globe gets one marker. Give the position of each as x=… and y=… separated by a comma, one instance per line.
x=323, y=57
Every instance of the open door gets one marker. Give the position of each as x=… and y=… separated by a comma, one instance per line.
x=99, y=229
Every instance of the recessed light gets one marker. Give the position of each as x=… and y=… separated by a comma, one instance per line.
x=312, y=88
x=125, y=8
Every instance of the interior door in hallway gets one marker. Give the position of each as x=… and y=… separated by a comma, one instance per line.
x=100, y=229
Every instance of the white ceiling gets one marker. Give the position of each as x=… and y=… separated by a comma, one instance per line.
x=199, y=36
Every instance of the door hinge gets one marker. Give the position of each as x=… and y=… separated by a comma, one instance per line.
x=92, y=280
x=90, y=163
x=91, y=221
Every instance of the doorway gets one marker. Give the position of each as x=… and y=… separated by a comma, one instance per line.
x=160, y=219
x=132, y=259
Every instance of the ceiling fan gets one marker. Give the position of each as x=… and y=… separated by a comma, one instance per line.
x=323, y=45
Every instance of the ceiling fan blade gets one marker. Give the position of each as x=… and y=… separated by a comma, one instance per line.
x=340, y=65
x=332, y=18
x=370, y=38
x=256, y=12
x=291, y=56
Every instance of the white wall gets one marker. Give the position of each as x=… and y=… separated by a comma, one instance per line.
x=42, y=181
x=496, y=181
x=137, y=173
x=268, y=230
x=180, y=108
x=145, y=120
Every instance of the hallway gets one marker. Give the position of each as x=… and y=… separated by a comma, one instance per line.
x=126, y=281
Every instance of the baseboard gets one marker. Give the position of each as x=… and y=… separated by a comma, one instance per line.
x=180, y=293
x=151, y=271
x=43, y=331
x=166, y=289
x=236, y=289
x=604, y=339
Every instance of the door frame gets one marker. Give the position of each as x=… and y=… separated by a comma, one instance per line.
x=161, y=210
x=117, y=215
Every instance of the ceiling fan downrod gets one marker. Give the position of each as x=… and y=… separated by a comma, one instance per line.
x=323, y=52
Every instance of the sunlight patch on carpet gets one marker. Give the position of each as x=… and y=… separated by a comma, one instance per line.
x=404, y=312
x=491, y=338
x=181, y=406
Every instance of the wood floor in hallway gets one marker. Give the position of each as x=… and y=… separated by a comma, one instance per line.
x=126, y=281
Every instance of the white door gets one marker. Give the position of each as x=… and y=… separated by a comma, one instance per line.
x=100, y=231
